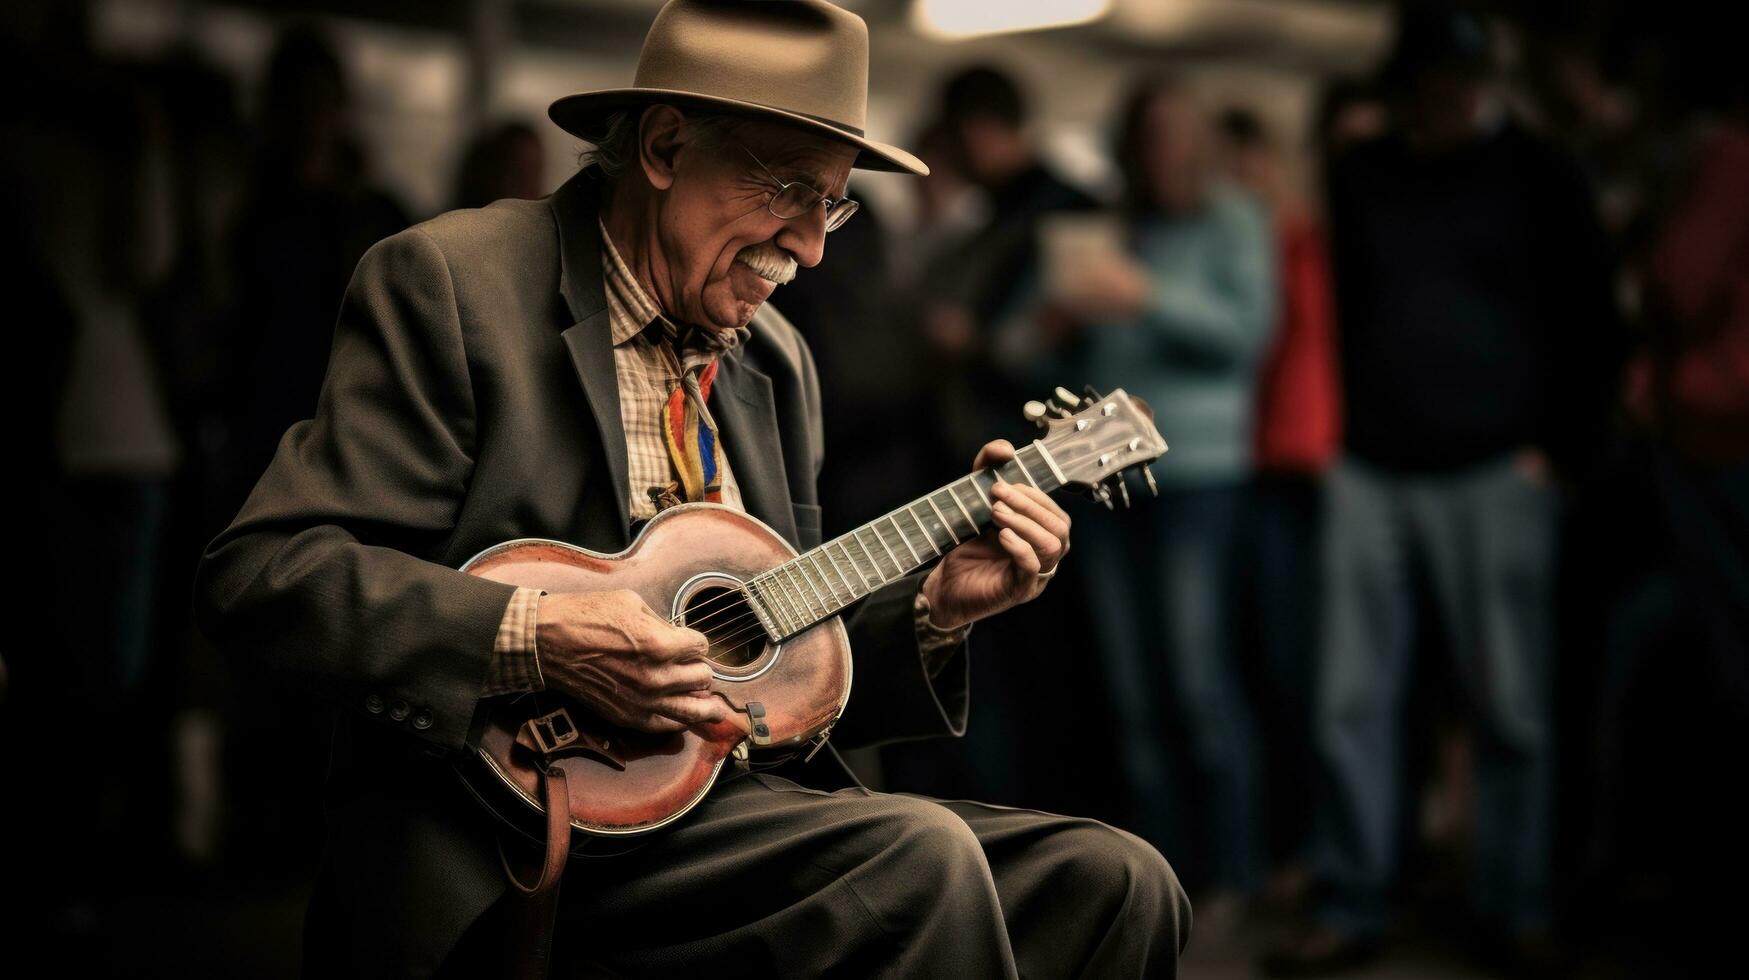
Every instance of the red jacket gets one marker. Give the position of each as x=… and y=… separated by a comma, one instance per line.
x=1698, y=298
x=1299, y=404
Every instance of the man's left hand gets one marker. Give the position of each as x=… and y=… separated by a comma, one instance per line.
x=1006, y=565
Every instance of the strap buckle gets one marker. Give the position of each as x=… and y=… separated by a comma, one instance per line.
x=553, y=731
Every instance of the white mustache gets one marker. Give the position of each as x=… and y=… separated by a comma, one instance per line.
x=768, y=262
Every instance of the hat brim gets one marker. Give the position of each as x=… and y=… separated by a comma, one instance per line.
x=575, y=113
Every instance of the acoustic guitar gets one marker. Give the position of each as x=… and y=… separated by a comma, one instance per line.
x=778, y=649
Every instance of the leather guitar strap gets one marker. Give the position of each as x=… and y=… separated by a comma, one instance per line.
x=533, y=932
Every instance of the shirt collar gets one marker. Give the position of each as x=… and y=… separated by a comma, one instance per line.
x=641, y=312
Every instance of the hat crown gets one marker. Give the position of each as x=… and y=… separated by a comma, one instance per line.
x=800, y=62
x=801, y=56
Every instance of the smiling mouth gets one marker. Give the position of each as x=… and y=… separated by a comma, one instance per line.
x=768, y=263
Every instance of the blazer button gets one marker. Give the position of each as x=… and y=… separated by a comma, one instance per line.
x=400, y=710
x=422, y=720
x=374, y=704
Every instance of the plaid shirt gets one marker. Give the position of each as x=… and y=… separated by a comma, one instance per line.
x=648, y=371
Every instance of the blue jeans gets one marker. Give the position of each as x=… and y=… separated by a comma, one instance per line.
x=1482, y=540
x=1163, y=601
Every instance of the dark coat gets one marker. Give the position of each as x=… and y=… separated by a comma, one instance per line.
x=471, y=398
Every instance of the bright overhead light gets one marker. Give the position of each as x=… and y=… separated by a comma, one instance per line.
x=957, y=19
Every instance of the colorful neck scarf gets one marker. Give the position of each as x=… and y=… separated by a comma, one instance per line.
x=691, y=434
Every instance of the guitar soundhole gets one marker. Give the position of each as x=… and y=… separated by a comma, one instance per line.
x=722, y=614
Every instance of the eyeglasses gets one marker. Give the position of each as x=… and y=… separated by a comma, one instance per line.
x=794, y=199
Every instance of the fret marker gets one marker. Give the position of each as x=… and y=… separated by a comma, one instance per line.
x=963, y=512
x=942, y=519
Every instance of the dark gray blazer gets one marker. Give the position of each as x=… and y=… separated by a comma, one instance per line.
x=470, y=398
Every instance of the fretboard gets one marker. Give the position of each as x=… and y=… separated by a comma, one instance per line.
x=818, y=584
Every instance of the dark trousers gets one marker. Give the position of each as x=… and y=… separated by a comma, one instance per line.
x=1483, y=540
x=768, y=878
x=1165, y=622
x=1280, y=598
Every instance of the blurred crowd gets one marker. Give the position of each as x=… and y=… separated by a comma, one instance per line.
x=1441, y=614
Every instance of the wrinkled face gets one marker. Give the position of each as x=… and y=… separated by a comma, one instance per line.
x=724, y=250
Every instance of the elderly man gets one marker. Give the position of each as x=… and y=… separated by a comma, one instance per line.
x=499, y=373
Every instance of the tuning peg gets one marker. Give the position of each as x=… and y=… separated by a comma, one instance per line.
x=1103, y=495
x=1148, y=474
x=1123, y=492
x=1090, y=395
x=1034, y=412
x=1066, y=398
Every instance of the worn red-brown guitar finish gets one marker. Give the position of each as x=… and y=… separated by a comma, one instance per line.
x=627, y=782
x=779, y=652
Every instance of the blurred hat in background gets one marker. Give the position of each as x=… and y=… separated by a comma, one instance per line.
x=1438, y=38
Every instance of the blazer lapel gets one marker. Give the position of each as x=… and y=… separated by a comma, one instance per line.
x=747, y=421
x=589, y=339
x=741, y=399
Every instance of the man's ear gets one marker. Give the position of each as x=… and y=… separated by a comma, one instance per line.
x=661, y=133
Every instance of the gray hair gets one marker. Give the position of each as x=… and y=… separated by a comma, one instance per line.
x=613, y=141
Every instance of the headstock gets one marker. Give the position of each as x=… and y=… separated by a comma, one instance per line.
x=1093, y=438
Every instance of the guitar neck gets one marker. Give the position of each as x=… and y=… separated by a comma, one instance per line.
x=818, y=584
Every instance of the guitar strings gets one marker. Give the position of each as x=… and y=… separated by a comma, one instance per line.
x=740, y=596
x=729, y=596
x=738, y=601
x=734, y=599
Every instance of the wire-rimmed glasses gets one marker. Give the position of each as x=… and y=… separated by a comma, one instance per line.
x=794, y=199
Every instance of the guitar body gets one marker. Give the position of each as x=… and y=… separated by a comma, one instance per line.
x=688, y=564
x=780, y=656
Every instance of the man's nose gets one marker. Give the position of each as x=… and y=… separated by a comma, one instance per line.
x=804, y=237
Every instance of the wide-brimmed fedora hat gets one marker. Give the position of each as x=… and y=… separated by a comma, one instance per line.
x=804, y=62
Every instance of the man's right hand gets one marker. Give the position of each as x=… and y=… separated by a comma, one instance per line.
x=613, y=653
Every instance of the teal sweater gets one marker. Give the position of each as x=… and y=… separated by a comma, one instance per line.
x=1193, y=353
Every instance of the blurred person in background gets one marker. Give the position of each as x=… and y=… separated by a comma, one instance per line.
x=873, y=379
x=1688, y=388
x=972, y=302
x=947, y=209
x=1296, y=435
x=505, y=160
x=1180, y=317
x=976, y=286
x=309, y=213
x=84, y=194
x=1349, y=114
x=1476, y=334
